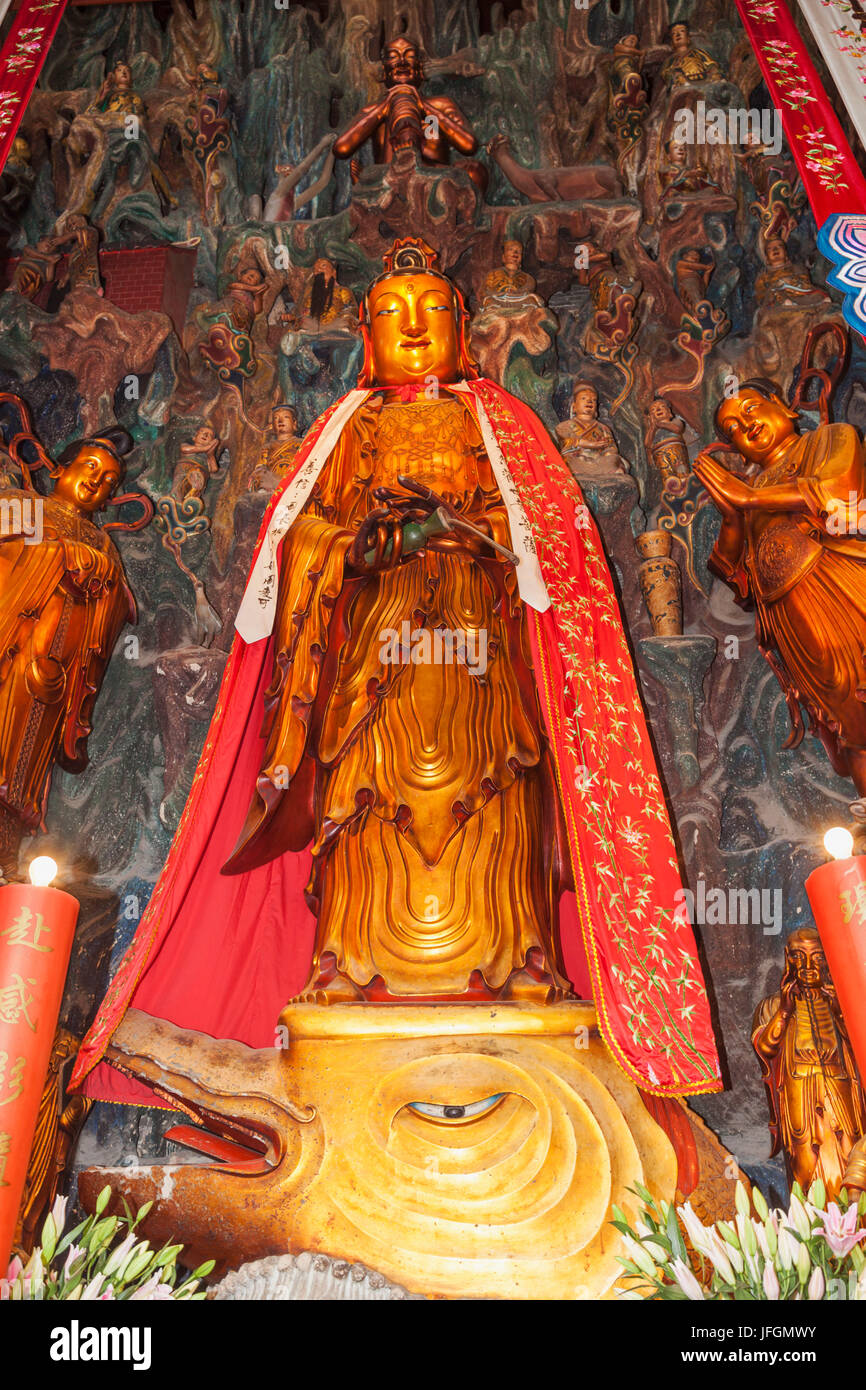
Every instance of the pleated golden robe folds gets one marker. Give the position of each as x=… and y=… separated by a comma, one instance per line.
x=422, y=781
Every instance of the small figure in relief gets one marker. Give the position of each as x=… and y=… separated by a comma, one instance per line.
x=325, y=303
x=785, y=284
x=687, y=64
x=278, y=456
x=588, y=445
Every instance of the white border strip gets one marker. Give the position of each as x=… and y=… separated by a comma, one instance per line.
x=823, y=20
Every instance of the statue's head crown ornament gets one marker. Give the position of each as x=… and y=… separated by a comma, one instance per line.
x=412, y=256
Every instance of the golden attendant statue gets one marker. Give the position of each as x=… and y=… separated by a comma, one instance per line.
x=790, y=545
x=63, y=601
x=816, y=1101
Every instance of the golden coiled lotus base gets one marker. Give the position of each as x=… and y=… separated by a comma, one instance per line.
x=466, y=1150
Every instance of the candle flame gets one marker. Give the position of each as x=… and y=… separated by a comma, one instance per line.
x=839, y=842
x=42, y=871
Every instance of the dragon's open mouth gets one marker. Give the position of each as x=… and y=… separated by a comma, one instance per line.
x=242, y=1130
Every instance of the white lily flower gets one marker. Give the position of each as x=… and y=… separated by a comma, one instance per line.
x=696, y=1231
x=58, y=1212
x=687, y=1281
x=798, y=1217
x=787, y=1251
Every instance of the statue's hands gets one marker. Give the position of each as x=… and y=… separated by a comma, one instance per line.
x=382, y=532
x=730, y=493
x=788, y=991
x=426, y=502
x=404, y=91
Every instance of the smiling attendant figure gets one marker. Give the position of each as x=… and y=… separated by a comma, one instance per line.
x=789, y=545
x=63, y=601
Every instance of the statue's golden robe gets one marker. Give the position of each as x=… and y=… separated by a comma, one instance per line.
x=63, y=602
x=806, y=574
x=815, y=1096
x=429, y=803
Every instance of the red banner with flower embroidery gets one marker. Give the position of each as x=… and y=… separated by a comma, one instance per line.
x=21, y=60
x=830, y=174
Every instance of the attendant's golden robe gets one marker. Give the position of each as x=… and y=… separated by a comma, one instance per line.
x=423, y=786
x=815, y=1096
x=806, y=574
x=63, y=602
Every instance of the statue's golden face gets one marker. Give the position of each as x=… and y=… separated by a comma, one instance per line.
x=402, y=63
x=89, y=480
x=755, y=426
x=807, y=960
x=413, y=330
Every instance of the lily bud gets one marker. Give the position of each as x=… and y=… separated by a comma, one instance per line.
x=759, y=1204
x=816, y=1285
x=771, y=1284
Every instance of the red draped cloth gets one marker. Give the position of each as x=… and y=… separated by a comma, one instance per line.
x=21, y=58
x=222, y=955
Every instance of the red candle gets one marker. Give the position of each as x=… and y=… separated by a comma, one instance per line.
x=37, y=925
x=837, y=893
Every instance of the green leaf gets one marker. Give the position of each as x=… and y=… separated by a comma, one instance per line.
x=674, y=1235
x=101, y=1233
x=71, y=1238
x=49, y=1238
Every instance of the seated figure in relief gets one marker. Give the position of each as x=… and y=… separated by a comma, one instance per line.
x=588, y=444
x=687, y=63
x=783, y=284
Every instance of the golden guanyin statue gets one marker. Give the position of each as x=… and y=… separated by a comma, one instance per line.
x=790, y=545
x=431, y=871
x=405, y=794
x=817, y=1106
x=63, y=601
